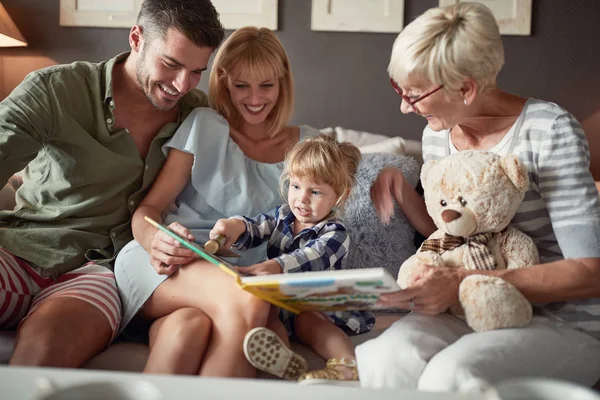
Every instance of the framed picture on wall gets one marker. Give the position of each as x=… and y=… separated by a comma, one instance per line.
x=513, y=16
x=99, y=13
x=235, y=14
x=358, y=15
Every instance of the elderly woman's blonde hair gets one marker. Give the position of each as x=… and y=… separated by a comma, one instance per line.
x=252, y=53
x=445, y=46
x=323, y=159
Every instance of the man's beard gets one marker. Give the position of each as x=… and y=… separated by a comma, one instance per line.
x=144, y=82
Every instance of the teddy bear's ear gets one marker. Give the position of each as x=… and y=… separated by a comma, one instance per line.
x=425, y=170
x=516, y=172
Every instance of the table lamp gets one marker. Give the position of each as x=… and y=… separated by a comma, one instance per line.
x=9, y=33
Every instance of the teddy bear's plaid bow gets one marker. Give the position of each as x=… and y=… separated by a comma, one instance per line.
x=477, y=246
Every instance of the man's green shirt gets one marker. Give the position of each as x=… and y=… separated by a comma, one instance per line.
x=83, y=178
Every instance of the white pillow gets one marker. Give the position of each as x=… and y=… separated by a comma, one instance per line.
x=394, y=145
x=367, y=142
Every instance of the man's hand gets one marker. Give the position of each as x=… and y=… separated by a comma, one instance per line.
x=270, y=267
x=167, y=254
x=231, y=228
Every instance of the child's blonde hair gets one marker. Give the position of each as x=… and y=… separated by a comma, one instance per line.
x=325, y=160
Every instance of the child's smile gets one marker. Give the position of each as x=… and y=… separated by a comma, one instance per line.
x=310, y=201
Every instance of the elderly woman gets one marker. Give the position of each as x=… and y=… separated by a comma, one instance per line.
x=444, y=66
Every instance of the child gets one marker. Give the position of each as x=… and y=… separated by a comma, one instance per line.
x=305, y=234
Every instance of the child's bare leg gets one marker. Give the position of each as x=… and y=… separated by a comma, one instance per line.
x=327, y=340
x=178, y=342
x=275, y=324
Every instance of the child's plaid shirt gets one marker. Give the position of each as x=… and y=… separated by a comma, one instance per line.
x=319, y=248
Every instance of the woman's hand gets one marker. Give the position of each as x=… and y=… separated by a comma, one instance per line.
x=231, y=228
x=385, y=190
x=264, y=268
x=431, y=290
x=167, y=254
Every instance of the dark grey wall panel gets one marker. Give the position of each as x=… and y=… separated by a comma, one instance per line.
x=341, y=77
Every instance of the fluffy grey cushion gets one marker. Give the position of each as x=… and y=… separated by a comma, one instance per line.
x=374, y=244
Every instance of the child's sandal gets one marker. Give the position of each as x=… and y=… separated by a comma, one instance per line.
x=331, y=373
x=267, y=352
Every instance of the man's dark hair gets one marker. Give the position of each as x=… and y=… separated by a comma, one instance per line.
x=195, y=19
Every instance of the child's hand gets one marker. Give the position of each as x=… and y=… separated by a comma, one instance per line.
x=264, y=268
x=231, y=228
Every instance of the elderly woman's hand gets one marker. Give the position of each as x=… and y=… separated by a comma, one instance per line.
x=431, y=290
x=384, y=190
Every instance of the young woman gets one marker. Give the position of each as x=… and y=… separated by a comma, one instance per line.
x=222, y=161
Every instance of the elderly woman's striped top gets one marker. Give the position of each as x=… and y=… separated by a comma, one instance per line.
x=561, y=211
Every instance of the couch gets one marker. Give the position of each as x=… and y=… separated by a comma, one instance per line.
x=131, y=356
x=124, y=355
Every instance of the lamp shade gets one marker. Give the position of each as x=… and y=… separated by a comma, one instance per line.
x=9, y=33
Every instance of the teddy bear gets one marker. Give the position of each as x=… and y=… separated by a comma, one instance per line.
x=472, y=196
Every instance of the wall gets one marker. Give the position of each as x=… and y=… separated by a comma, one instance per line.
x=341, y=78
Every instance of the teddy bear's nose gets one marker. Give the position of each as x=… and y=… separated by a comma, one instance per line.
x=450, y=215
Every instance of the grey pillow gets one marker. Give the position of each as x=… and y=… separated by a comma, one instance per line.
x=374, y=244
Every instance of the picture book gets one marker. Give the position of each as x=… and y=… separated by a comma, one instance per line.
x=349, y=289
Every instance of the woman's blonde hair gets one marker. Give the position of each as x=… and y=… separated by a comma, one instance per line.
x=444, y=46
x=325, y=160
x=252, y=53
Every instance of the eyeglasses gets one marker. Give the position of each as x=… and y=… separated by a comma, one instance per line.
x=414, y=101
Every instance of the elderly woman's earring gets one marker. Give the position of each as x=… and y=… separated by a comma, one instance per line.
x=465, y=101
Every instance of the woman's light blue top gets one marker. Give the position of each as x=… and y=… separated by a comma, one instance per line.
x=224, y=181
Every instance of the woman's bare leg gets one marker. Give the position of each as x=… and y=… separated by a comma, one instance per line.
x=324, y=338
x=232, y=310
x=178, y=342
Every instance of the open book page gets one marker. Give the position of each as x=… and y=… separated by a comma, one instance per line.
x=350, y=289
x=355, y=289
x=198, y=249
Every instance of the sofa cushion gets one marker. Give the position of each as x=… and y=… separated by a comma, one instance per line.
x=374, y=244
x=130, y=356
x=367, y=142
x=7, y=339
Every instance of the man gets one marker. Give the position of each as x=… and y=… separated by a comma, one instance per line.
x=90, y=137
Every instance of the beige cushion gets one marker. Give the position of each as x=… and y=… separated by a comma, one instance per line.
x=132, y=356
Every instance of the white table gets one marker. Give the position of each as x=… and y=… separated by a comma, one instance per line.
x=18, y=383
